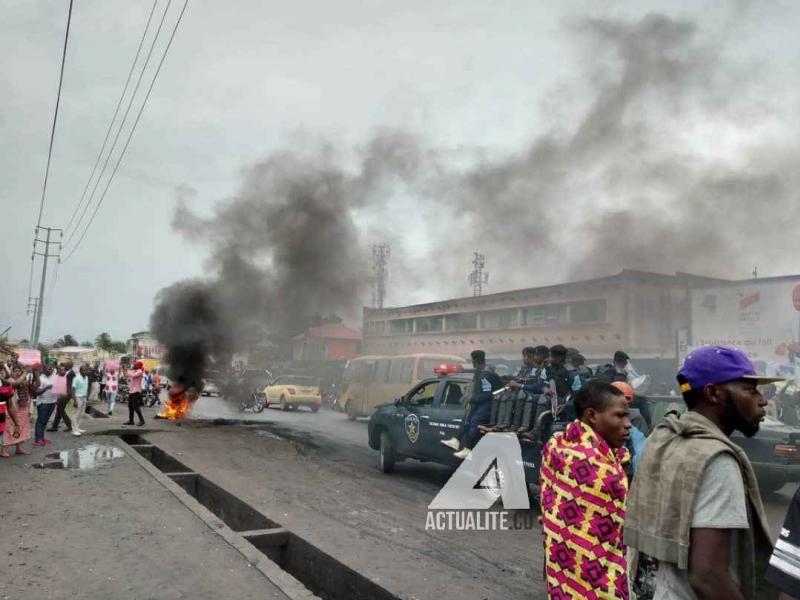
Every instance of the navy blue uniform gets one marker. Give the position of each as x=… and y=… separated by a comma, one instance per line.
x=483, y=383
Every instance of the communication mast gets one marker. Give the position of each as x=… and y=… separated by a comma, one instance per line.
x=380, y=256
x=478, y=278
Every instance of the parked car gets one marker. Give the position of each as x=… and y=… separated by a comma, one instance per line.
x=293, y=391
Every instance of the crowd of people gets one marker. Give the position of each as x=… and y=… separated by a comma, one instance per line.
x=40, y=391
x=629, y=509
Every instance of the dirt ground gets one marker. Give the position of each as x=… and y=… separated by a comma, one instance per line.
x=109, y=533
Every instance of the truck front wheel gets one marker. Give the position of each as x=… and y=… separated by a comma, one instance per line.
x=387, y=452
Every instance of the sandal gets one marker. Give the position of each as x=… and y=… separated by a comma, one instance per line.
x=5, y=455
x=22, y=452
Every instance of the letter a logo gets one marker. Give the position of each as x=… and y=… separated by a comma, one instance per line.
x=492, y=470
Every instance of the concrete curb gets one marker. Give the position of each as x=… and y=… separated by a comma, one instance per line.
x=286, y=583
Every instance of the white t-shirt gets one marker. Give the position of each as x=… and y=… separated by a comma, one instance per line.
x=721, y=503
x=48, y=397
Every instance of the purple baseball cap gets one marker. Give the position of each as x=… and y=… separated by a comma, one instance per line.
x=717, y=364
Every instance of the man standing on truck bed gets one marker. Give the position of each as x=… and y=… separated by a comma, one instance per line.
x=484, y=382
x=694, y=504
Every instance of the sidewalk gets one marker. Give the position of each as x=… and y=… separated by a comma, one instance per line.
x=108, y=533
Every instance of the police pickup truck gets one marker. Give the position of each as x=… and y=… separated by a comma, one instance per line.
x=433, y=410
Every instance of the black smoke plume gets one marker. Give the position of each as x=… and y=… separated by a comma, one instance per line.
x=284, y=248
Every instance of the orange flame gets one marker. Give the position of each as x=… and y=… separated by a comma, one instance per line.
x=176, y=408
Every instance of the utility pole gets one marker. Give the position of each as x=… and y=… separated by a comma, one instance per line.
x=478, y=278
x=380, y=256
x=45, y=256
x=33, y=306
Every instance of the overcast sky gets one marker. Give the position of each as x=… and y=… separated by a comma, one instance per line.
x=246, y=78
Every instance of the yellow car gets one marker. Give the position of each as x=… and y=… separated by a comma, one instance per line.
x=293, y=391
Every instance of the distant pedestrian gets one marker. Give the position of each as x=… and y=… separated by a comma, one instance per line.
x=111, y=387
x=61, y=387
x=583, y=489
x=80, y=394
x=134, y=378
x=19, y=431
x=694, y=504
x=46, y=399
x=157, y=386
x=7, y=406
x=637, y=439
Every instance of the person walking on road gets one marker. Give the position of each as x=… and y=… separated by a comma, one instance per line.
x=45, y=401
x=23, y=384
x=80, y=393
x=7, y=406
x=134, y=378
x=583, y=490
x=61, y=387
x=111, y=387
x=694, y=504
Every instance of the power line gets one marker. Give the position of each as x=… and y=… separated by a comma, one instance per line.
x=116, y=112
x=55, y=116
x=130, y=135
x=71, y=236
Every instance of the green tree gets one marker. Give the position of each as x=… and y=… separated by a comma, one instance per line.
x=119, y=347
x=104, y=341
x=67, y=340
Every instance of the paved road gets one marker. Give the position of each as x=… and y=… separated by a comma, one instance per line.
x=336, y=427
x=315, y=475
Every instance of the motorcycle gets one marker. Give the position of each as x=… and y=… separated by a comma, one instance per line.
x=252, y=399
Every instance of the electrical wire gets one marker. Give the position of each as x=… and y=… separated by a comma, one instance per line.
x=130, y=135
x=121, y=125
x=55, y=116
x=116, y=112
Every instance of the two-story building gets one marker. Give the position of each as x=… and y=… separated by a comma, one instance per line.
x=637, y=311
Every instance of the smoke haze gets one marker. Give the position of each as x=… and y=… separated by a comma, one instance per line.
x=662, y=159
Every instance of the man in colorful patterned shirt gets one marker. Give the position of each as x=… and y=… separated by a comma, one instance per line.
x=583, y=490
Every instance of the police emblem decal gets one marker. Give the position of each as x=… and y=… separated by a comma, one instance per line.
x=412, y=428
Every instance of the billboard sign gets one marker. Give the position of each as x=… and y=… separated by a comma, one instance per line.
x=762, y=319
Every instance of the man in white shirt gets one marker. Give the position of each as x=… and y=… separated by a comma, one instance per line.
x=45, y=402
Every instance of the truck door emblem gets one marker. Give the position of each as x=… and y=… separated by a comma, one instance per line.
x=412, y=428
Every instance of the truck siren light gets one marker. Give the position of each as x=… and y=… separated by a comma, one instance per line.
x=445, y=369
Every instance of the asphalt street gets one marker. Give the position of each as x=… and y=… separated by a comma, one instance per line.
x=336, y=428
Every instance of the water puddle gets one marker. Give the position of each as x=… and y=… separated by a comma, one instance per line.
x=86, y=458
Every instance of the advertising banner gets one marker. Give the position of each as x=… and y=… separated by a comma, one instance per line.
x=763, y=319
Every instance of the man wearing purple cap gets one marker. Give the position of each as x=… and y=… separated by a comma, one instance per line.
x=694, y=504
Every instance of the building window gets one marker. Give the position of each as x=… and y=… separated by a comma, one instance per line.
x=429, y=324
x=499, y=319
x=462, y=322
x=588, y=311
x=400, y=326
x=545, y=314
